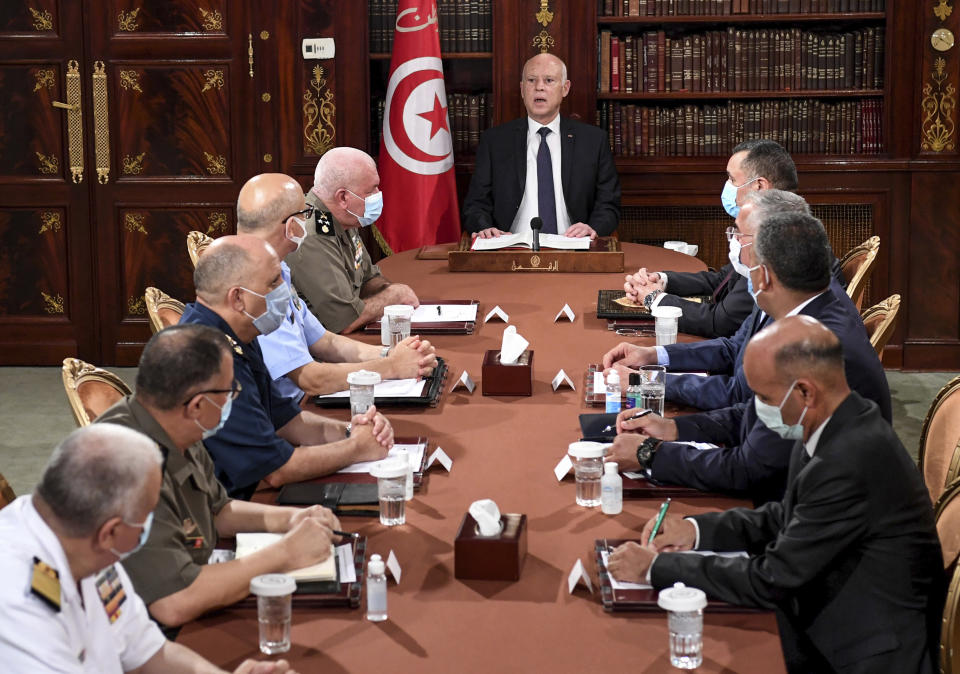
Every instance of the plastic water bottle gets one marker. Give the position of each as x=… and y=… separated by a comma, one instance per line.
x=404, y=457
x=613, y=392
x=633, y=391
x=376, y=589
x=611, y=490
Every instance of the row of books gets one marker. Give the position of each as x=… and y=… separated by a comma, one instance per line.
x=469, y=116
x=721, y=7
x=465, y=25
x=802, y=126
x=740, y=60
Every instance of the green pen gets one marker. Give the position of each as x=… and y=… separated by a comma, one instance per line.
x=660, y=516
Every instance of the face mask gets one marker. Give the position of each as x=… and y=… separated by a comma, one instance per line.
x=277, y=301
x=372, y=208
x=728, y=197
x=773, y=419
x=144, y=535
x=224, y=415
x=299, y=239
x=734, y=256
x=750, y=283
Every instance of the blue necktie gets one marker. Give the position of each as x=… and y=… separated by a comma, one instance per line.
x=546, y=198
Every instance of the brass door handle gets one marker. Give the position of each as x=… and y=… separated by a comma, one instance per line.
x=74, y=120
x=101, y=119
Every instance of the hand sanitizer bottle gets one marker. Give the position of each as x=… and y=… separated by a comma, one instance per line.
x=611, y=490
x=613, y=392
x=376, y=589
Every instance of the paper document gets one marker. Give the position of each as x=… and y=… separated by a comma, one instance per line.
x=621, y=585
x=449, y=313
x=247, y=544
x=392, y=388
x=415, y=452
x=525, y=240
x=348, y=569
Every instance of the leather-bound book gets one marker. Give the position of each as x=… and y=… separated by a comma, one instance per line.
x=605, y=65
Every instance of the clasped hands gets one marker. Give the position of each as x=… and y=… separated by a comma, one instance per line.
x=414, y=358
x=641, y=284
x=631, y=561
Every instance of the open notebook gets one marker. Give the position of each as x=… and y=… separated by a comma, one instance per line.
x=247, y=544
x=525, y=240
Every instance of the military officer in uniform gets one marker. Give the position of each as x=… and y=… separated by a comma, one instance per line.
x=65, y=603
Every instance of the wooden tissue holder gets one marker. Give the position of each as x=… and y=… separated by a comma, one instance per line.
x=507, y=380
x=500, y=557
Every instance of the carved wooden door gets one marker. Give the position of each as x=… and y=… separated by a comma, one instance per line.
x=45, y=243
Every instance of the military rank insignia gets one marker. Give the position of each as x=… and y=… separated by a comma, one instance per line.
x=323, y=222
x=45, y=584
x=358, y=254
x=111, y=593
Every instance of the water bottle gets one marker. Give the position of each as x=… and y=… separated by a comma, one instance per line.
x=613, y=392
x=633, y=391
x=611, y=490
x=376, y=590
x=404, y=457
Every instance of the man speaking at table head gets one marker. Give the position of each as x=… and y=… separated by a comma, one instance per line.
x=301, y=355
x=332, y=269
x=543, y=165
x=241, y=292
x=185, y=387
x=849, y=558
x=66, y=604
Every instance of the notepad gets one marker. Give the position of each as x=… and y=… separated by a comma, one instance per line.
x=249, y=543
x=623, y=585
x=449, y=313
x=391, y=388
x=415, y=452
x=525, y=240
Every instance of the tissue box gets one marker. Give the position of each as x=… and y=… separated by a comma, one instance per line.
x=507, y=380
x=477, y=557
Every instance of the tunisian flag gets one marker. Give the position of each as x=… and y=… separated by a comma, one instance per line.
x=416, y=150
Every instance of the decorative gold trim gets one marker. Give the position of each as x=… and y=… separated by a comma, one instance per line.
x=544, y=16
x=382, y=242
x=319, y=113
x=53, y=304
x=264, y=34
x=101, y=119
x=268, y=157
x=218, y=223
x=211, y=20
x=51, y=222
x=44, y=78
x=130, y=79
x=214, y=79
x=74, y=121
x=942, y=10
x=133, y=165
x=216, y=165
x=136, y=306
x=535, y=265
x=544, y=41
x=938, y=127
x=134, y=222
x=49, y=164
x=127, y=21
x=250, y=52
x=42, y=20
x=265, y=97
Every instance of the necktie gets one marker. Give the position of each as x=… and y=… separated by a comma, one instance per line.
x=546, y=198
x=722, y=285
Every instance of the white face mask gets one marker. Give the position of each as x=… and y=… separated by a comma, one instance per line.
x=772, y=418
x=734, y=256
x=298, y=239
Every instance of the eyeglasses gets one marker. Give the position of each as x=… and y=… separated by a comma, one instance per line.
x=634, y=332
x=307, y=213
x=734, y=233
x=234, y=391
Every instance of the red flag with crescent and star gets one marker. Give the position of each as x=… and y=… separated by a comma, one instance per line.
x=416, y=150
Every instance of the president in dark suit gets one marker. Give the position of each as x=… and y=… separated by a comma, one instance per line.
x=849, y=559
x=543, y=166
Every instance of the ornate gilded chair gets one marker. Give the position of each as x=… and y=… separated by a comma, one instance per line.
x=162, y=309
x=947, y=514
x=950, y=629
x=856, y=266
x=880, y=320
x=939, y=453
x=197, y=242
x=90, y=389
x=6, y=492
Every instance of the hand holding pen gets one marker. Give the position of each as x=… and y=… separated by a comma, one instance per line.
x=673, y=533
x=647, y=423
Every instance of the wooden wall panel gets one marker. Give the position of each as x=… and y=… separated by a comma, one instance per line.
x=31, y=134
x=196, y=17
x=33, y=263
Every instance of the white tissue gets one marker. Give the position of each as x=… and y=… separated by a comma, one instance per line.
x=487, y=515
x=513, y=346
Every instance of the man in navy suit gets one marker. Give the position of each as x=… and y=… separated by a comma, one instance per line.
x=543, y=166
x=790, y=275
x=849, y=559
x=723, y=356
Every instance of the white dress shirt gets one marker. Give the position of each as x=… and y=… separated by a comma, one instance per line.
x=530, y=205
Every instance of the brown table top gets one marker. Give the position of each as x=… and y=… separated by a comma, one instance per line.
x=503, y=448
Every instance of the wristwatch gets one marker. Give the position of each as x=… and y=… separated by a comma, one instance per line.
x=346, y=431
x=384, y=352
x=646, y=451
x=651, y=296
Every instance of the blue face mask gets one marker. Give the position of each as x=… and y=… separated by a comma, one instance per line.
x=728, y=197
x=750, y=283
x=372, y=208
x=278, y=300
x=773, y=419
x=144, y=535
x=224, y=415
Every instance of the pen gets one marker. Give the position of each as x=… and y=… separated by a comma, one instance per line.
x=630, y=418
x=660, y=516
x=346, y=534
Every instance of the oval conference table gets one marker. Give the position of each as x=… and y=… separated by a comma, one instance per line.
x=503, y=448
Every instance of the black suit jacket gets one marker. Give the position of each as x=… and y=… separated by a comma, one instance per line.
x=850, y=558
x=719, y=318
x=591, y=187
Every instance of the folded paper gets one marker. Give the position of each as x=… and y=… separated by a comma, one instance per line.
x=512, y=346
x=441, y=457
x=578, y=574
x=466, y=381
x=393, y=566
x=566, y=311
x=599, y=386
x=562, y=468
x=487, y=515
x=499, y=313
x=561, y=378
x=348, y=570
